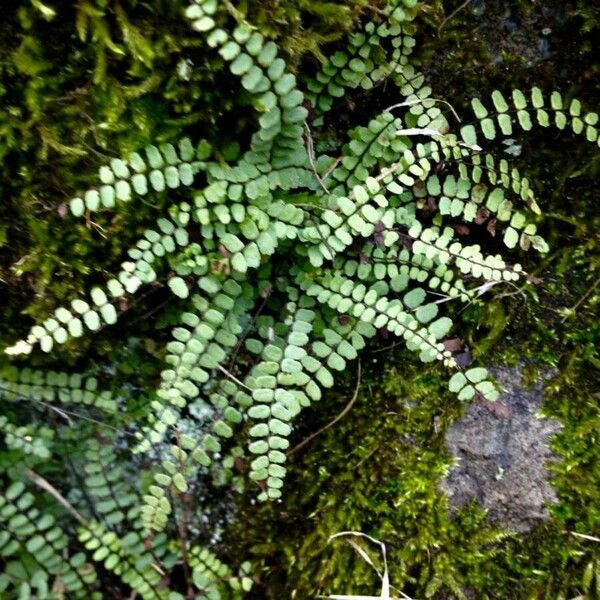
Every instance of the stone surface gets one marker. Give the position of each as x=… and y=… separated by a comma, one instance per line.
x=501, y=452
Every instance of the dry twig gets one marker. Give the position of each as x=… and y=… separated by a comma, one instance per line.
x=45, y=485
x=334, y=421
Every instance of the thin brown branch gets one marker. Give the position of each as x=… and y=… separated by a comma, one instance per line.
x=45, y=485
x=581, y=300
x=421, y=101
x=65, y=413
x=585, y=536
x=334, y=421
x=233, y=377
x=453, y=14
x=310, y=149
x=331, y=168
x=249, y=328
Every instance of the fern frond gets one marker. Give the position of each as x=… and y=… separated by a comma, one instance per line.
x=30, y=439
x=524, y=112
x=26, y=529
x=362, y=64
x=54, y=388
x=165, y=167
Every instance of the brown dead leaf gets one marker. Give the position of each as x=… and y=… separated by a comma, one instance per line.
x=240, y=465
x=482, y=215
x=453, y=345
x=533, y=279
x=220, y=266
x=430, y=206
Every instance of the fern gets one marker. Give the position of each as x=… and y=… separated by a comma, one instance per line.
x=284, y=264
x=26, y=531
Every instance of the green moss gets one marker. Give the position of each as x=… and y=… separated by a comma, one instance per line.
x=377, y=472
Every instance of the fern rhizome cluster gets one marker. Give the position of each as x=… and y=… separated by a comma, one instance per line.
x=288, y=263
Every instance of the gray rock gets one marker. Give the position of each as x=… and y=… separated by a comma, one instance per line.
x=501, y=453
